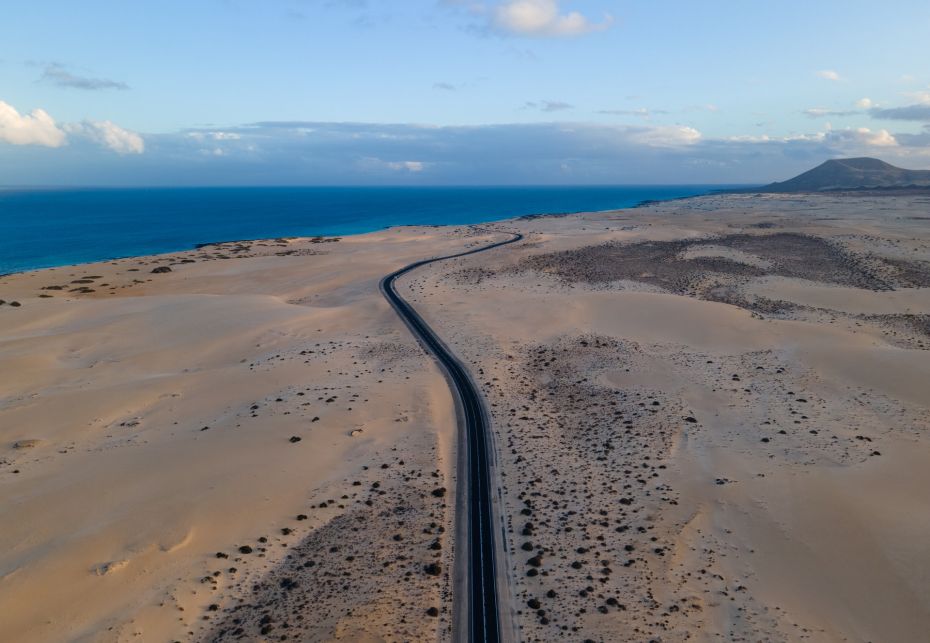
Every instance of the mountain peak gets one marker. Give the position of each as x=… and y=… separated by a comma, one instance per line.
x=865, y=163
x=853, y=174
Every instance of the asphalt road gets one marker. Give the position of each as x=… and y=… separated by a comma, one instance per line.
x=482, y=600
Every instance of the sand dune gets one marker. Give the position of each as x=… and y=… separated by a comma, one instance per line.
x=711, y=419
x=729, y=456
x=155, y=425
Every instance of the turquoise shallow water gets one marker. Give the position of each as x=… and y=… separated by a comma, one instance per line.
x=53, y=227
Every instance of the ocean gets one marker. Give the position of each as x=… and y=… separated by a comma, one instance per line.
x=40, y=228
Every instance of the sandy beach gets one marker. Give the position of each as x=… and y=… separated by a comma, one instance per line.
x=711, y=420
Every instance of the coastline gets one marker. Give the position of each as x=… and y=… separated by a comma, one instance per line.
x=98, y=244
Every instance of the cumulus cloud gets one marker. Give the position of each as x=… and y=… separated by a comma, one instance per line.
x=39, y=128
x=542, y=18
x=848, y=139
x=35, y=128
x=667, y=136
x=59, y=75
x=861, y=136
x=865, y=103
x=109, y=135
x=829, y=74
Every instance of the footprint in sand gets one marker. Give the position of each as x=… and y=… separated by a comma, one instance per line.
x=176, y=539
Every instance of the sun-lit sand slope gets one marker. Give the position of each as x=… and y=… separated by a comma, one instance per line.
x=711, y=423
x=152, y=424
x=711, y=415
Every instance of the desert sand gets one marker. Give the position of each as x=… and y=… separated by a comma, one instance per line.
x=711, y=422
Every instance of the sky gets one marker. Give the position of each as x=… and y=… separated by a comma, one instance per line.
x=457, y=92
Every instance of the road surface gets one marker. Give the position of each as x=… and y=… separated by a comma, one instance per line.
x=483, y=609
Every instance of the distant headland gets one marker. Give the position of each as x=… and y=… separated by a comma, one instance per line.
x=855, y=174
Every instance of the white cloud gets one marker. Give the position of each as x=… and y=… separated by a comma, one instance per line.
x=865, y=103
x=543, y=18
x=408, y=166
x=110, y=135
x=667, y=136
x=865, y=136
x=216, y=136
x=829, y=74
x=36, y=128
x=848, y=139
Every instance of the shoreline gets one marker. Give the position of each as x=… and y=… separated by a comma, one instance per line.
x=358, y=229
x=323, y=238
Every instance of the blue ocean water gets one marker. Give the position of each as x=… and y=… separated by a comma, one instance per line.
x=53, y=227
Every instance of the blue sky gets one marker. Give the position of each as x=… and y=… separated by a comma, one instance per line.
x=457, y=91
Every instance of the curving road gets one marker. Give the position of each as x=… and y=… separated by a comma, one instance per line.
x=481, y=602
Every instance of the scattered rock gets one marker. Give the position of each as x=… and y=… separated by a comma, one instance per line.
x=108, y=568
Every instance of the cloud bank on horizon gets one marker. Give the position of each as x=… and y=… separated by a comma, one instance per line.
x=314, y=153
x=455, y=92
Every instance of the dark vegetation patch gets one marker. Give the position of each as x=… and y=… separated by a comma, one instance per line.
x=903, y=329
x=583, y=542
x=660, y=263
x=472, y=276
x=912, y=273
x=379, y=558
